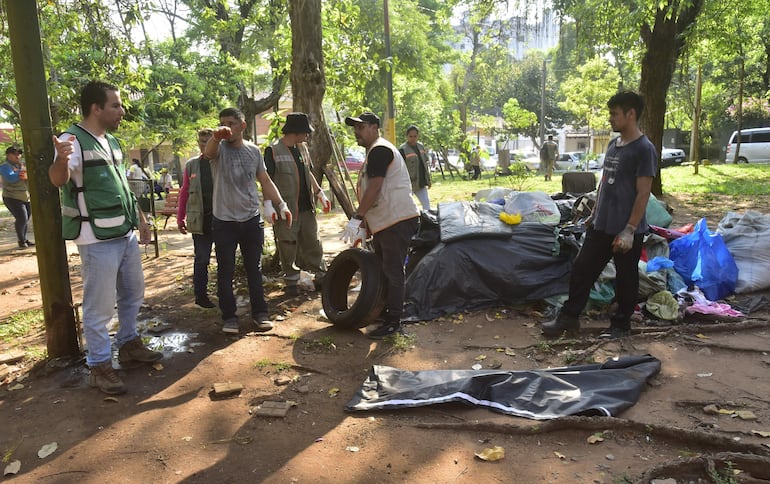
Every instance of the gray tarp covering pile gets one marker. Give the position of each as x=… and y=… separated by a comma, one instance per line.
x=599, y=389
x=488, y=263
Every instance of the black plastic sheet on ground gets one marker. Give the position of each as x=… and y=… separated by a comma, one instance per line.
x=470, y=274
x=598, y=389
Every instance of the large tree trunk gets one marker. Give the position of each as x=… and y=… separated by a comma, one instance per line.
x=308, y=81
x=664, y=42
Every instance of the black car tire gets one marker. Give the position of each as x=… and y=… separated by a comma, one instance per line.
x=336, y=287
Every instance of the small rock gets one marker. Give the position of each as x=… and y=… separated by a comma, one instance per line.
x=711, y=409
x=745, y=415
x=704, y=352
x=609, y=457
x=303, y=389
x=282, y=380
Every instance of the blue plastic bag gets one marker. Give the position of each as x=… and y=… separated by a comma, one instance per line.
x=702, y=259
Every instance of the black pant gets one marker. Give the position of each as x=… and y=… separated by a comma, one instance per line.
x=476, y=172
x=589, y=263
x=391, y=246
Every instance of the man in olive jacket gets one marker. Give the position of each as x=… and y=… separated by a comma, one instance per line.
x=416, y=159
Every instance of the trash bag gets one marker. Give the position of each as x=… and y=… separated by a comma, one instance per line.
x=656, y=213
x=702, y=259
x=747, y=236
x=533, y=207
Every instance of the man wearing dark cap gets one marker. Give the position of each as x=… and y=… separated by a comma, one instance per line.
x=15, y=194
x=386, y=206
x=288, y=164
x=416, y=159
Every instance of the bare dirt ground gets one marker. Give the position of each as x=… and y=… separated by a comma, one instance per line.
x=169, y=428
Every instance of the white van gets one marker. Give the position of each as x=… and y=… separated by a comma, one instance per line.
x=755, y=146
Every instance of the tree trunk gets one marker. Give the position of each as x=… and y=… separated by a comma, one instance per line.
x=664, y=42
x=308, y=81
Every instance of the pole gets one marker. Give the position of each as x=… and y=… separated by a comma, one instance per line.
x=542, y=106
x=695, y=133
x=389, y=127
x=27, y=55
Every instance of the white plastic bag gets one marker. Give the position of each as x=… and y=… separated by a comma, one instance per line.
x=533, y=207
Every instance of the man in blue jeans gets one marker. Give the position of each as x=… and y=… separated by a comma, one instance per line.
x=88, y=166
x=236, y=166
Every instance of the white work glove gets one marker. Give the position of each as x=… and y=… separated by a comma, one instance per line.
x=285, y=213
x=354, y=233
x=624, y=240
x=270, y=214
x=326, y=205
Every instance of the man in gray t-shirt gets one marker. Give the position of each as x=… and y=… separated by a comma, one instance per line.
x=616, y=227
x=236, y=166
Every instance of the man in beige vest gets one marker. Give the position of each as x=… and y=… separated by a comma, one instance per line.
x=385, y=203
x=288, y=164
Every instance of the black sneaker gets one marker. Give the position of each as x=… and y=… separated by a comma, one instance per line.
x=204, y=302
x=615, y=333
x=384, y=330
x=29, y=244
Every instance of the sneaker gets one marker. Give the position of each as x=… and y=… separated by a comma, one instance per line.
x=231, y=326
x=29, y=244
x=262, y=323
x=384, y=330
x=104, y=378
x=291, y=291
x=204, y=302
x=615, y=333
x=22, y=245
x=135, y=350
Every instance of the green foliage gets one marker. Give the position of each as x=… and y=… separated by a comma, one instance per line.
x=516, y=118
x=586, y=93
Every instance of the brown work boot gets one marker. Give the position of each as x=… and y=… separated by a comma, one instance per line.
x=135, y=350
x=105, y=379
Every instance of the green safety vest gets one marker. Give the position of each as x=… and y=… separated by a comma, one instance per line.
x=110, y=204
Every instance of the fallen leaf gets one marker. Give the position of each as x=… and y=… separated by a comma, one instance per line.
x=17, y=386
x=529, y=325
x=489, y=318
x=595, y=438
x=333, y=392
x=352, y=448
x=187, y=438
x=12, y=468
x=110, y=399
x=745, y=415
x=702, y=336
x=47, y=450
x=157, y=367
x=559, y=455
x=495, y=364
x=481, y=358
x=510, y=352
x=724, y=411
x=496, y=337
x=491, y=454
x=761, y=433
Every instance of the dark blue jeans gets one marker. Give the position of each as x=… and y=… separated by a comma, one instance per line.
x=21, y=213
x=249, y=236
x=589, y=263
x=391, y=246
x=202, y=249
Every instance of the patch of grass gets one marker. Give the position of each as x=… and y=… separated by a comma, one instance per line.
x=401, y=342
x=20, y=324
x=277, y=365
x=325, y=344
x=727, y=476
x=736, y=180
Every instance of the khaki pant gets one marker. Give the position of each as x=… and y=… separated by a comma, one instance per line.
x=299, y=247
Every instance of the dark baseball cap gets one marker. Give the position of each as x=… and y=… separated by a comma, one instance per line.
x=13, y=149
x=367, y=117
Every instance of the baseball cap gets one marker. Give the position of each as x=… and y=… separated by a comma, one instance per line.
x=13, y=149
x=367, y=117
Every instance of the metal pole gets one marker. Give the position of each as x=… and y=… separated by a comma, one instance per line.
x=27, y=54
x=390, y=115
x=542, y=107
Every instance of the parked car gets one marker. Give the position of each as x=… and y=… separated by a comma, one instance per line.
x=671, y=157
x=569, y=160
x=354, y=160
x=755, y=146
